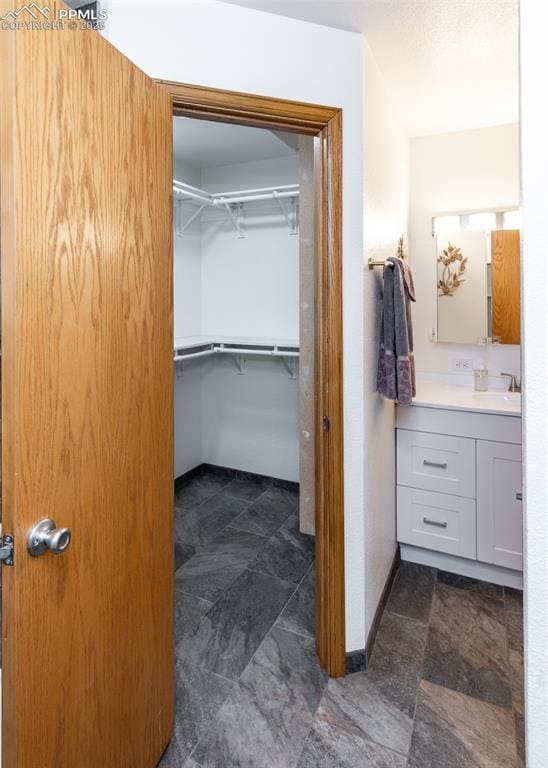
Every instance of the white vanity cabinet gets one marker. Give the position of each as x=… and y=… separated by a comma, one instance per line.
x=499, y=505
x=459, y=491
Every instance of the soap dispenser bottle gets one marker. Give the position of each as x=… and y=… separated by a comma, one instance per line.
x=481, y=377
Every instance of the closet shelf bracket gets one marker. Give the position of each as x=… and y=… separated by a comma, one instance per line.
x=235, y=211
x=290, y=365
x=180, y=228
x=239, y=362
x=289, y=215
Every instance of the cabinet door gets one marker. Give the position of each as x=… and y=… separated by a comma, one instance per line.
x=499, y=506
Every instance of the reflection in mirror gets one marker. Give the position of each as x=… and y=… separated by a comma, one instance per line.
x=477, y=277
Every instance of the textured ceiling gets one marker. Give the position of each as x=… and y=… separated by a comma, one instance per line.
x=449, y=64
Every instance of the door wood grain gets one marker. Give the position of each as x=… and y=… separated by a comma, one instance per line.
x=87, y=403
x=505, y=272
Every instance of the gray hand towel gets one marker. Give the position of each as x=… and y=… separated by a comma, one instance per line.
x=396, y=368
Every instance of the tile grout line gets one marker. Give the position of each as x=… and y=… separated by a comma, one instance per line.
x=510, y=677
x=237, y=682
x=247, y=566
x=199, y=547
x=180, y=591
x=273, y=533
x=299, y=585
x=192, y=509
x=305, y=637
x=420, y=677
x=267, y=633
x=213, y=604
x=291, y=631
x=407, y=618
x=267, y=540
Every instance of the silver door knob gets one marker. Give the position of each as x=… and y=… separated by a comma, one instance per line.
x=45, y=537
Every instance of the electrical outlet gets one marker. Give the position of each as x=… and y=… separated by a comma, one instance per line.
x=463, y=364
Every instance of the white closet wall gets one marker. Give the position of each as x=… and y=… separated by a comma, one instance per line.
x=187, y=279
x=248, y=287
x=187, y=264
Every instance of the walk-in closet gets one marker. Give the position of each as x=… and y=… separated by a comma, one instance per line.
x=243, y=383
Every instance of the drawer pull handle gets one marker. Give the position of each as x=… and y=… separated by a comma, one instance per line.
x=437, y=464
x=519, y=496
x=437, y=523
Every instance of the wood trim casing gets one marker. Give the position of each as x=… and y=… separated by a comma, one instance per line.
x=325, y=123
x=246, y=109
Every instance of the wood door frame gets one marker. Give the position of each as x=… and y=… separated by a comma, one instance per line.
x=325, y=123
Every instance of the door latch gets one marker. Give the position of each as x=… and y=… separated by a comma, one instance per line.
x=325, y=424
x=6, y=550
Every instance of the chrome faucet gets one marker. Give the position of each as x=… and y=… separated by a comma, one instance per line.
x=513, y=386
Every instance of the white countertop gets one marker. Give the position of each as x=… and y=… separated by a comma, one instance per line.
x=463, y=397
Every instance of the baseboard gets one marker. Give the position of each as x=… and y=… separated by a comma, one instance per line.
x=232, y=474
x=357, y=661
x=494, y=574
x=186, y=477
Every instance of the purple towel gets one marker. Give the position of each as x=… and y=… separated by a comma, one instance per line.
x=396, y=367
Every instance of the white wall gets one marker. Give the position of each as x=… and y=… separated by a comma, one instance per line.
x=534, y=159
x=187, y=281
x=187, y=264
x=230, y=286
x=226, y=46
x=187, y=394
x=459, y=171
x=250, y=285
x=251, y=421
x=385, y=219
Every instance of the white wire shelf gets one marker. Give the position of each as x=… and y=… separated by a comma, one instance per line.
x=233, y=202
x=288, y=354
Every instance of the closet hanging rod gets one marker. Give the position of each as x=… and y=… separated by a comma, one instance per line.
x=216, y=201
x=221, y=349
x=238, y=196
x=192, y=355
x=293, y=188
x=265, y=352
x=253, y=198
x=190, y=188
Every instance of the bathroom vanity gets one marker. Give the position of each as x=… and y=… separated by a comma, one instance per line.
x=459, y=486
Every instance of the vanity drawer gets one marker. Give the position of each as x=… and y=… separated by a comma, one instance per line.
x=437, y=521
x=439, y=463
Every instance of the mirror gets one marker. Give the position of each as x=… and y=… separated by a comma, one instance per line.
x=477, y=258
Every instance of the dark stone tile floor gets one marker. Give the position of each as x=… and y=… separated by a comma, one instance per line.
x=444, y=688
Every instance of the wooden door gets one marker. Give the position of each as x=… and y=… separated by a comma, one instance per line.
x=499, y=504
x=87, y=408
x=505, y=275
